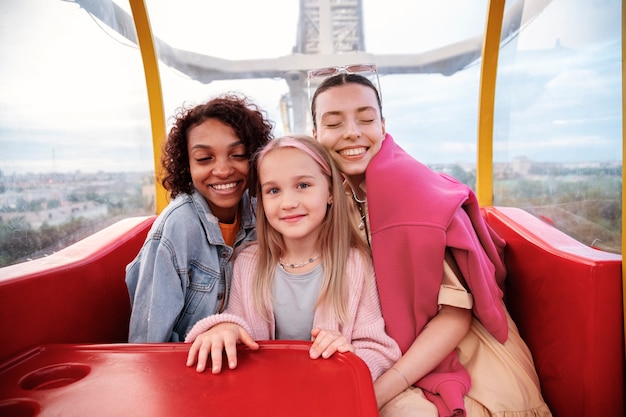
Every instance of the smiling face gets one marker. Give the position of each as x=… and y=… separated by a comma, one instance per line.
x=218, y=163
x=350, y=126
x=295, y=195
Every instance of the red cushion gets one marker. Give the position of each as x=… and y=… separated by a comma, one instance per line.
x=77, y=295
x=566, y=299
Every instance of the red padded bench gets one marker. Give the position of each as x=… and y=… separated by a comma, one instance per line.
x=77, y=295
x=566, y=299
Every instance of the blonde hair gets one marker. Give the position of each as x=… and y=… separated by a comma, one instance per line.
x=337, y=237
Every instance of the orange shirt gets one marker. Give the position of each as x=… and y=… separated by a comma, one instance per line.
x=229, y=231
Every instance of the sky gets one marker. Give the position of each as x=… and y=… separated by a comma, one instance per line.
x=73, y=97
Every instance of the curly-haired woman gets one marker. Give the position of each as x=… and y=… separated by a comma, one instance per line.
x=183, y=271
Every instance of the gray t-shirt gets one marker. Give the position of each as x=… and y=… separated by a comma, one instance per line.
x=294, y=297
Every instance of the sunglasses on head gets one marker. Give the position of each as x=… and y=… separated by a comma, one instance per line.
x=316, y=76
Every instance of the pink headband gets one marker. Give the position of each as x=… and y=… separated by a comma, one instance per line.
x=290, y=142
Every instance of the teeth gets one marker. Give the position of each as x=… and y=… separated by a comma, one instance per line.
x=224, y=187
x=352, y=151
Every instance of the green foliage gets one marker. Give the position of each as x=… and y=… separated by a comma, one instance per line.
x=18, y=240
x=587, y=208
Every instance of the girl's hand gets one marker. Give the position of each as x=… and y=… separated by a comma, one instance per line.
x=219, y=338
x=327, y=342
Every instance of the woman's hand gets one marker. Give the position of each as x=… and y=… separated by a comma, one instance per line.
x=219, y=338
x=439, y=337
x=327, y=342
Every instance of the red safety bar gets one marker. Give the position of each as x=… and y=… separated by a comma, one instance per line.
x=151, y=380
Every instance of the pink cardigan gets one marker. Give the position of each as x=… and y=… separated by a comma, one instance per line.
x=365, y=330
x=414, y=215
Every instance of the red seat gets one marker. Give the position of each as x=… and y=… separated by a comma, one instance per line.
x=77, y=295
x=566, y=299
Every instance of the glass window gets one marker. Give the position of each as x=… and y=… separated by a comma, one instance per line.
x=558, y=122
x=75, y=141
x=430, y=99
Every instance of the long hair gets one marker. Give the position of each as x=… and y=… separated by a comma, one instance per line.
x=249, y=123
x=337, y=237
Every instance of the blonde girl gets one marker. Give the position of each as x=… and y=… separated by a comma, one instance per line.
x=308, y=276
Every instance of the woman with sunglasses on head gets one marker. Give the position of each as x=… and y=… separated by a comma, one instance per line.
x=438, y=268
x=183, y=271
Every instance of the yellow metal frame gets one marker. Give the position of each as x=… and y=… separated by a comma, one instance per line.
x=486, y=102
x=491, y=48
x=623, y=157
x=155, y=92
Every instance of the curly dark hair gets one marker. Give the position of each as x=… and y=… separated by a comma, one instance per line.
x=248, y=121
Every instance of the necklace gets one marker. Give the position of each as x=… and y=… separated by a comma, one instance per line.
x=300, y=265
x=360, y=207
x=363, y=224
x=357, y=198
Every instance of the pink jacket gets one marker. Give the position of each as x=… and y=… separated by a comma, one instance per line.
x=365, y=330
x=415, y=214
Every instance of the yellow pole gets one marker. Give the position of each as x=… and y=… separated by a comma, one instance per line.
x=623, y=156
x=155, y=95
x=486, y=100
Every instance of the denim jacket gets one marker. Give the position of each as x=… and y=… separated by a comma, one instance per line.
x=182, y=273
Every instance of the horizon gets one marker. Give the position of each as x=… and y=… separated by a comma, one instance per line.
x=613, y=163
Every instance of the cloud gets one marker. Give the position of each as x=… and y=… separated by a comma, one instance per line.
x=72, y=87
